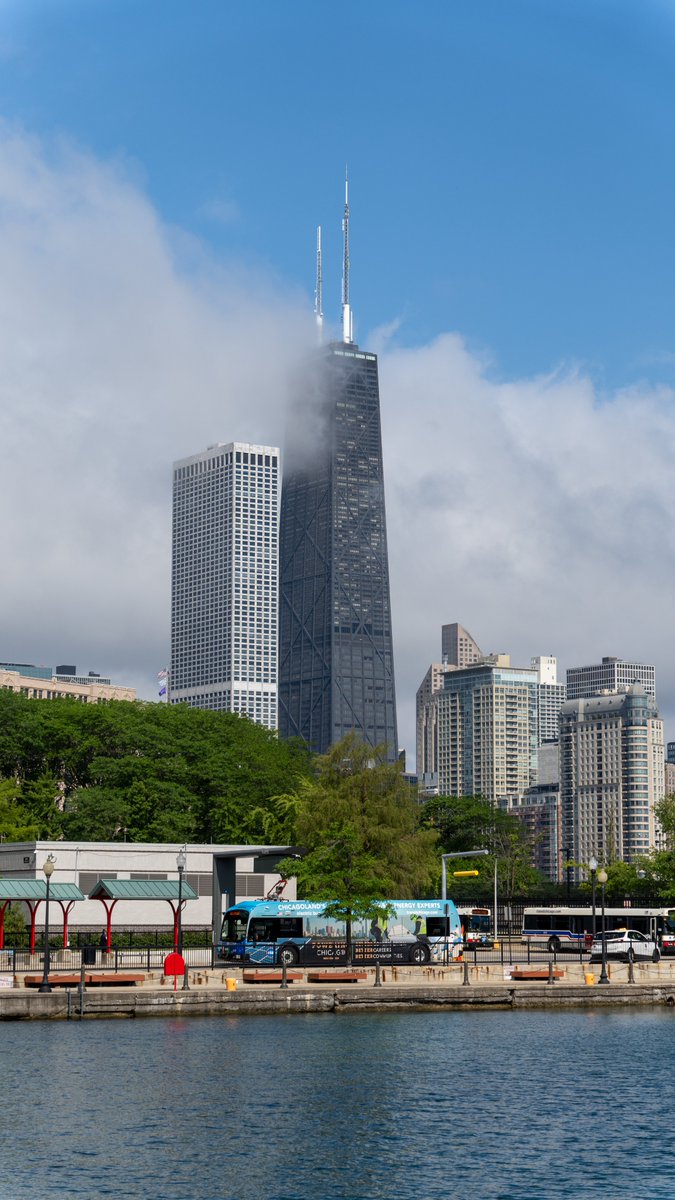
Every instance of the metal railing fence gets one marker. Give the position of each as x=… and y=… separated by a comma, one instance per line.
x=92, y=958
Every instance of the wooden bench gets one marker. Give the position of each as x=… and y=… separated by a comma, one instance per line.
x=269, y=976
x=91, y=979
x=336, y=976
x=539, y=973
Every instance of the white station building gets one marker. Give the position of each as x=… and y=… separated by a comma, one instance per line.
x=219, y=874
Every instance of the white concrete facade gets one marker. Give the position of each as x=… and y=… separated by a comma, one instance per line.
x=225, y=581
x=84, y=863
x=55, y=688
x=611, y=775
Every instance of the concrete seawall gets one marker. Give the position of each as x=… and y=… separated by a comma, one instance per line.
x=403, y=988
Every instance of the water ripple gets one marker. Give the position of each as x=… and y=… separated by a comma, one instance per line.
x=417, y=1106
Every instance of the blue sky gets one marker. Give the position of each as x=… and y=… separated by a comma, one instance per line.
x=163, y=167
x=512, y=163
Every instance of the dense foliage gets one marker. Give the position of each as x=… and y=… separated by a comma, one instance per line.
x=144, y=772
x=466, y=823
x=358, y=823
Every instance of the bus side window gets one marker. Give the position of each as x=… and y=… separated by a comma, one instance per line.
x=262, y=931
x=437, y=927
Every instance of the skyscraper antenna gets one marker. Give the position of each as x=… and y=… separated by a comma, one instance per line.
x=346, y=310
x=318, y=293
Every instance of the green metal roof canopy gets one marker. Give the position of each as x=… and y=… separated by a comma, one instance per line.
x=32, y=892
x=141, y=889
x=36, y=889
x=109, y=891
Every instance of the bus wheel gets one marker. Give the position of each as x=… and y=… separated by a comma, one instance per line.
x=656, y=956
x=419, y=954
x=288, y=955
x=554, y=945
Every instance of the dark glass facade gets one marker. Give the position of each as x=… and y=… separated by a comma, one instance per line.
x=336, y=669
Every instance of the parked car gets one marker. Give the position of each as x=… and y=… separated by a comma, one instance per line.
x=668, y=943
x=626, y=944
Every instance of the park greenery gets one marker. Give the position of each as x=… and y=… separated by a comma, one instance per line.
x=138, y=772
x=358, y=824
x=143, y=772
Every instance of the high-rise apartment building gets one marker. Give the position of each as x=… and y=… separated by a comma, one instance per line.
x=551, y=696
x=458, y=649
x=336, y=666
x=611, y=775
x=539, y=811
x=487, y=730
x=610, y=675
x=224, y=581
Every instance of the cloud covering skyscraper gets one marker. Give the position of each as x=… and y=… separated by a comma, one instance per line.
x=336, y=668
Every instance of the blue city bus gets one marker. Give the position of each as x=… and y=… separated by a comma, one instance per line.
x=299, y=931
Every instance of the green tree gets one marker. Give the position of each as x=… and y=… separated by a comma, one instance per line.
x=358, y=826
x=665, y=815
x=158, y=772
x=16, y=824
x=468, y=823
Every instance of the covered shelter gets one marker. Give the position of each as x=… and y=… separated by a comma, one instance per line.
x=174, y=891
x=32, y=892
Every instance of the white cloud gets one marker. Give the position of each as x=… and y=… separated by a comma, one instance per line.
x=122, y=349
x=538, y=513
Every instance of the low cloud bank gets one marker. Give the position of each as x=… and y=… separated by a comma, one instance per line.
x=537, y=512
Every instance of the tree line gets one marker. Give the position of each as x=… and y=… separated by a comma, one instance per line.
x=142, y=772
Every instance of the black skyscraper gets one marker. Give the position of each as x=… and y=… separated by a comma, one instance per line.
x=336, y=670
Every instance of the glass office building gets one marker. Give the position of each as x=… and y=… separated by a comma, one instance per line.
x=336, y=669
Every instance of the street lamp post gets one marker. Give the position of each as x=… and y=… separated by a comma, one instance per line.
x=602, y=880
x=593, y=867
x=48, y=868
x=181, y=863
x=455, y=854
x=444, y=873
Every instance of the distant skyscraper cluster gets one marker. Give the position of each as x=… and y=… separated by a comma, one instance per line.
x=280, y=611
x=316, y=624
x=581, y=763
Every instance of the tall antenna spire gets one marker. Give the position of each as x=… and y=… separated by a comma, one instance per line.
x=318, y=293
x=346, y=310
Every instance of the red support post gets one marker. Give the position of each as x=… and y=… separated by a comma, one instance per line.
x=3, y=908
x=66, y=908
x=108, y=906
x=33, y=906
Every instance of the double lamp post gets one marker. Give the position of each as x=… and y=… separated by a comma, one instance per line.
x=181, y=863
x=48, y=868
x=601, y=876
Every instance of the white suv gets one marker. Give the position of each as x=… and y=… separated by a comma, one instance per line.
x=627, y=944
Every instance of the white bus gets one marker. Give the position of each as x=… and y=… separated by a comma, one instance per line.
x=476, y=926
x=568, y=928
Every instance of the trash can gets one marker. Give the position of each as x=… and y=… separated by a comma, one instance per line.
x=89, y=956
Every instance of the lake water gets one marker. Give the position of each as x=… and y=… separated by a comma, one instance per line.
x=496, y=1106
